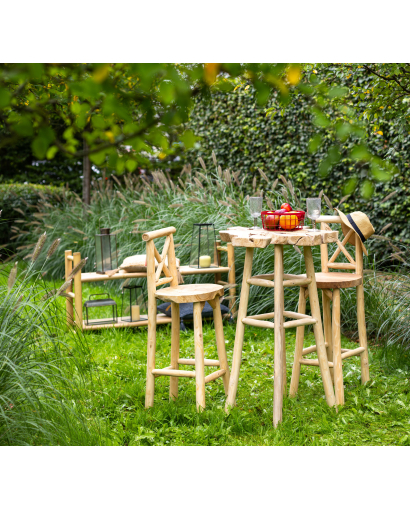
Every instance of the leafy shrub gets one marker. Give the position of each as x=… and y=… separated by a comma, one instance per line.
x=20, y=202
x=247, y=138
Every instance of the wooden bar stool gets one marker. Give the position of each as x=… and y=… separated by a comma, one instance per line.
x=330, y=283
x=177, y=294
x=251, y=239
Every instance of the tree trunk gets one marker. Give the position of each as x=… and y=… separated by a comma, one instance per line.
x=86, y=177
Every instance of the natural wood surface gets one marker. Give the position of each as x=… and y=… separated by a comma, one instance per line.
x=213, y=376
x=185, y=270
x=199, y=357
x=247, y=237
x=361, y=317
x=300, y=334
x=163, y=232
x=231, y=275
x=280, y=351
x=189, y=293
x=337, y=354
x=78, y=292
x=317, y=328
x=191, y=362
x=330, y=280
x=152, y=325
x=240, y=329
x=69, y=301
x=327, y=327
x=220, y=343
x=161, y=319
x=175, y=331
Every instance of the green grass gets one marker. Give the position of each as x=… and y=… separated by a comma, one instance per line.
x=375, y=414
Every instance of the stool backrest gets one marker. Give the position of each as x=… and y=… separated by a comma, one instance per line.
x=355, y=263
x=168, y=255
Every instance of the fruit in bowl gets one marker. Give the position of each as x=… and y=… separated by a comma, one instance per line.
x=286, y=206
x=288, y=221
x=271, y=221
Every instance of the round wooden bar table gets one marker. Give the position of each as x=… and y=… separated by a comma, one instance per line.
x=261, y=239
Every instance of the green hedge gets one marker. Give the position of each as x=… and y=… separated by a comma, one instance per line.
x=30, y=199
x=248, y=138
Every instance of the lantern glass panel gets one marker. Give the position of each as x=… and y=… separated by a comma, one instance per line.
x=105, y=251
x=134, y=304
x=203, y=246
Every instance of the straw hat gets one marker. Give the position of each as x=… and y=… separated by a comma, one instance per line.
x=359, y=223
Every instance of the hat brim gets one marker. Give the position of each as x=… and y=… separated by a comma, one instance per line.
x=346, y=223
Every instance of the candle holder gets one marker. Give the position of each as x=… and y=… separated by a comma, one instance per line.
x=105, y=251
x=203, y=247
x=134, y=303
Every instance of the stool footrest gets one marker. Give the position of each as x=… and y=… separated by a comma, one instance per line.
x=191, y=362
x=299, y=323
x=286, y=283
x=213, y=376
x=352, y=353
x=258, y=323
x=311, y=349
x=313, y=362
x=173, y=372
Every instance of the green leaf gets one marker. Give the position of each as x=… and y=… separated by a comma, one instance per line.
x=262, y=92
x=39, y=146
x=24, y=127
x=360, y=153
x=188, y=138
x=314, y=143
x=338, y=92
x=98, y=158
x=367, y=189
x=131, y=164
x=349, y=186
x=51, y=152
x=167, y=92
x=324, y=167
x=5, y=97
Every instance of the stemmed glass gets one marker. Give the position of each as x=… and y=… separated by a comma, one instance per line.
x=255, y=207
x=314, y=206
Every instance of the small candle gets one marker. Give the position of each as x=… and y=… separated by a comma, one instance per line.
x=135, y=313
x=204, y=261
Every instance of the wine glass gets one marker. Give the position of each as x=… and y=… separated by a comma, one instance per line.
x=255, y=207
x=314, y=206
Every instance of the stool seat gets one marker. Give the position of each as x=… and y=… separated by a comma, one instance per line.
x=333, y=280
x=189, y=293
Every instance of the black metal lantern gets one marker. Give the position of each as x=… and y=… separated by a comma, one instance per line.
x=203, y=248
x=134, y=303
x=105, y=251
x=98, y=303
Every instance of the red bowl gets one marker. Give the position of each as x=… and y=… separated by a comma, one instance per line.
x=282, y=221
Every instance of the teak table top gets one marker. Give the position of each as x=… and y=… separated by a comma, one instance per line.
x=246, y=237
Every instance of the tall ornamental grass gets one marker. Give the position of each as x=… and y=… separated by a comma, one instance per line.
x=202, y=195
x=43, y=400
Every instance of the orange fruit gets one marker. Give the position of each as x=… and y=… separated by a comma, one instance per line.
x=288, y=221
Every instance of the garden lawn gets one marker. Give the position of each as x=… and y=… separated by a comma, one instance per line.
x=375, y=414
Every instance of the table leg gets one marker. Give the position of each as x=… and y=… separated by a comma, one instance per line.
x=279, y=357
x=317, y=328
x=240, y=330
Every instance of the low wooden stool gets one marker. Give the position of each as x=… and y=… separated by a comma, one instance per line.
x=177, y=294
x=330, y=283
x=252, y=239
